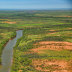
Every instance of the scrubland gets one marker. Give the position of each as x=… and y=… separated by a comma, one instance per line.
x=46, y=44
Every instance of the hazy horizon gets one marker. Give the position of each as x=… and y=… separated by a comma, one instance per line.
x=41, y=9
x=36, y=4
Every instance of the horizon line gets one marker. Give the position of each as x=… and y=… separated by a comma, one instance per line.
x=40, y=9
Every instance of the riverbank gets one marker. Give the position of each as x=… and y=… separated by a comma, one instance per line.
x=7, y=53
x=5, y=41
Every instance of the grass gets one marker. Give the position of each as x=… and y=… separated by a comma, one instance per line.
x=33, y=35
x=36, y=27
x=62, y=55
x=5, y=35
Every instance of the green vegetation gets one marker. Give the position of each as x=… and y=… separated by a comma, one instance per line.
x=5, y=35
x=37, y=26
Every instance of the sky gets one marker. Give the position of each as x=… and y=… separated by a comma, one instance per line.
x=35, y=4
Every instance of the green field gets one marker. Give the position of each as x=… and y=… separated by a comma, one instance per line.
x=37, y=26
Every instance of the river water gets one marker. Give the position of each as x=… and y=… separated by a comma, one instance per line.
x=7, y=53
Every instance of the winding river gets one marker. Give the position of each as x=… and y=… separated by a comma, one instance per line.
x=7, y=53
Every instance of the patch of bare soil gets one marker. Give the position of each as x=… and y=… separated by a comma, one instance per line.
x=20, y=70
x=63, y=16
x=68, y=16
x=51, y=65
x=9, y=22
x=52, y=33
x=3, y=34
x=51, y=30
x=52, y=45
x=70, y=28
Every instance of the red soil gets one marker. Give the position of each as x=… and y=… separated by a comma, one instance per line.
x=51, y=66
x=52, y=45
x=9, y=22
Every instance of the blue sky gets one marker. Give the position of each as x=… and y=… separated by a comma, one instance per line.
x=35, y=4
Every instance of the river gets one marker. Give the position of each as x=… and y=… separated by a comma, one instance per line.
x=7, y=53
